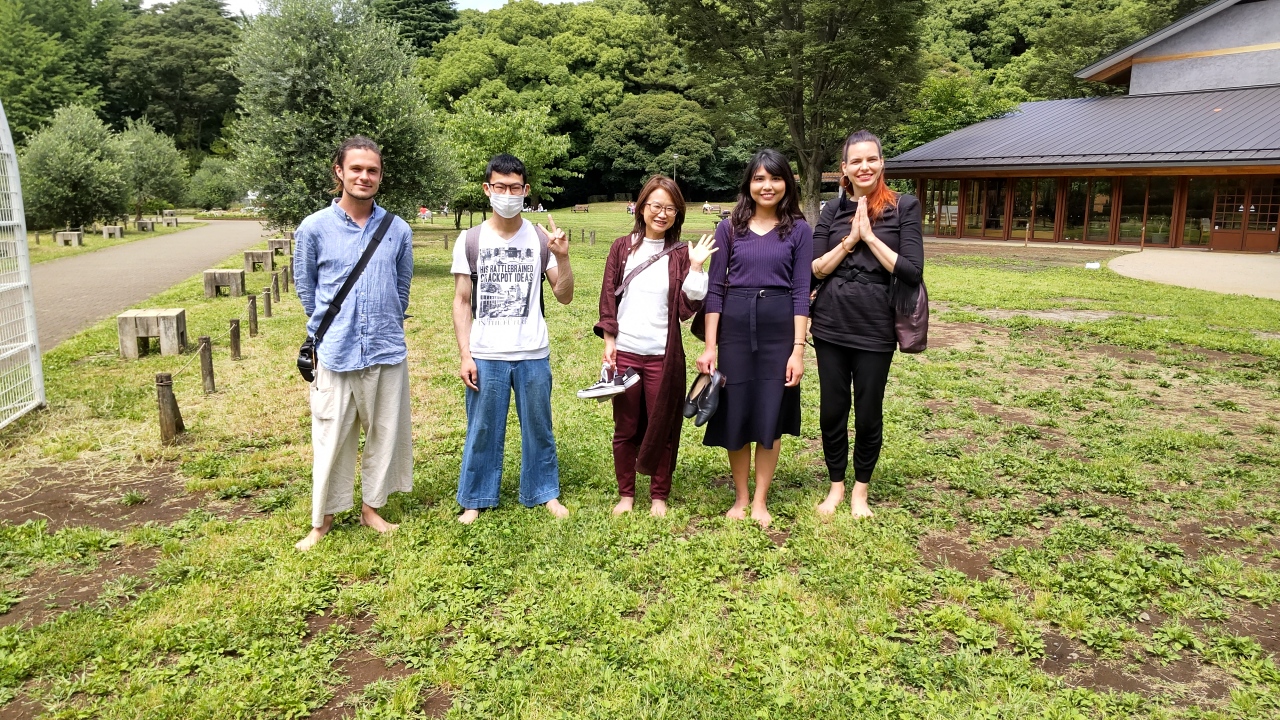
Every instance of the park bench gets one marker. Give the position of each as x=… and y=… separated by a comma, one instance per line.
x=724, y=214
x=581, y=208
x=112, y=231
x=170, y=220
x=281, y=245
x=254, y=258
x=232, y=280
x=68, y=238
x=146, y=225
x=712, y=209
x=137, y=327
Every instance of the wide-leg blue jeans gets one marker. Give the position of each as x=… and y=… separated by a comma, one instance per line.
x=487, y=434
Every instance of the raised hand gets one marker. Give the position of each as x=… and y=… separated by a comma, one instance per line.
x=557, y=241
x=701, y=250
x=863, y=230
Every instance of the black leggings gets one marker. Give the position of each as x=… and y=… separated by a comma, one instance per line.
x=840, y=367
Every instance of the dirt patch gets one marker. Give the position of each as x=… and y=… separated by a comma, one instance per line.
x=963, y=335
x=1195, y=544
x=1261, y=624
x=1125, y=354
x=317, y=624
x=80, y=495
x=1055, y=315
x=1007, y=415
x=941, y=550
x=22, y=708
x=49, y=592
x=360, y=666
x=779, y=537
x=1061, y=653
x=437, y=704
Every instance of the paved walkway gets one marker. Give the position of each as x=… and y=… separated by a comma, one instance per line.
x=1236, y=273
x=73, y=293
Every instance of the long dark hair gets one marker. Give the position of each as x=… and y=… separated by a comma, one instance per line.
x=776, y=164
x=881, y=196
x=355, y=142
x=677, y=199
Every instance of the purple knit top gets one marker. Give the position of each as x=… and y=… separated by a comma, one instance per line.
x=763, y=261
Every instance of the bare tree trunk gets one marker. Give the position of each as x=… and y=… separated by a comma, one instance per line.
x=810, y=188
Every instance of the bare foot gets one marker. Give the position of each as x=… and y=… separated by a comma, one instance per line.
x=313, y=537
x=624, y=505
x=737, y=512
x=858, y=504
x=761, y=515
x=370, y=518
x=561, y=512
x=468, y=516
x=834, y=497
x=658, y=508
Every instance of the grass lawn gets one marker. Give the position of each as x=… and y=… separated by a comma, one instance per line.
x=1077, y=517
x=48, y=250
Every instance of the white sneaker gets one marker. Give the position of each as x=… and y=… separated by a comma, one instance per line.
x=605, y=387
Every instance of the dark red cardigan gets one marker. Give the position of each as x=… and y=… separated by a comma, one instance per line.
x=664, y=428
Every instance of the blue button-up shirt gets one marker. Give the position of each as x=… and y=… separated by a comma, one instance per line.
x=369, y=330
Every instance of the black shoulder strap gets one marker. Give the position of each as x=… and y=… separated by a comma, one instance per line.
x=644, y=265
x=335, y=307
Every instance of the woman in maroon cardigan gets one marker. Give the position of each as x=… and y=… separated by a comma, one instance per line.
x=641, y=330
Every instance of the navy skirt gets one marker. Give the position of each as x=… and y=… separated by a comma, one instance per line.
x=756, y=336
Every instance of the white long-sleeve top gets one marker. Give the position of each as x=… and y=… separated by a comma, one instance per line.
x=642, y=312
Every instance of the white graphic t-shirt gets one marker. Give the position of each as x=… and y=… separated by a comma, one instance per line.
x=508, y=294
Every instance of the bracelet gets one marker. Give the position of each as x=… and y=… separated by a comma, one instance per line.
x=801, y=343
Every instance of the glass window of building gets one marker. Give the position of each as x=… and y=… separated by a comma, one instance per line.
x=1197, y=219
x=1160, y=193
x=949, y=208
x=973, y=208
x=993, y=210
x=1077, y=206
x=1023, y=204
x=1133, y=209
x=929, y=206
x=1100, y=205
x=1046, y=208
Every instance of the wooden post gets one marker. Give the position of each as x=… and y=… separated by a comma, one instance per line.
x=38, y=237
x=266, y=301
x=593, y=237
x=206, y=363
x=170, y=416
x=253, y=316
x=275, y=286
x=583, y=236
x=284, y=278
x=235, y=338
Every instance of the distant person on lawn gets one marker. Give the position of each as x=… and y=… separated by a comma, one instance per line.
x=498, y=268
x=664, y=285
x=362, y=378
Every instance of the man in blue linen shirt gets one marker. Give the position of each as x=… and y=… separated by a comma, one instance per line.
x=362, y=377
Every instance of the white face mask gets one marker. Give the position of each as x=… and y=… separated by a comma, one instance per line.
x=508, y=206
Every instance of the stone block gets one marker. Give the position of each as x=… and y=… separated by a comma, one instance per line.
x=232, y=280
x=265, y=259
x=170, y=220
x=170, y=213
x=136, y=327
x=112, y=231
x=146, y=225
x=68, y=238
x=282, y=245
x=288, y=234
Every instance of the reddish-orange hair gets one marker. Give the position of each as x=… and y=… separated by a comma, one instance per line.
x=672, y=235
x=881, y=196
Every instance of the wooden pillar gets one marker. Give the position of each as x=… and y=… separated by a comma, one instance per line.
x=253, y=316
x=593, y=237
x=235, y=338
x=284, y=278
x=206, y=363
x=170, y=416
x=275, y=286
x=266, y=301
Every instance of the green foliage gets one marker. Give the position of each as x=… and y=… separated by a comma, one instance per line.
x=86, y=30
x=314, y=73
x=824, y=67
x=214, y=185
x=73, y=172
x=169, y=65
x=153, y=167
x=947, y=102
x=477, y=134
x=423, y=23
x=36, y=74
x=643, y=135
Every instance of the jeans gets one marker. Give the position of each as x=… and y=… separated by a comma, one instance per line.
x=487, y=434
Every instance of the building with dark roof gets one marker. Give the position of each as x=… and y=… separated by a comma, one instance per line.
x=1190, y=157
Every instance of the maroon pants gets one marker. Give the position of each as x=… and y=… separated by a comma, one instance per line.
x=631, y=411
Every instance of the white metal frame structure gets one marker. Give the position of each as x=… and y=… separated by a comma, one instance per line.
x=21, y=375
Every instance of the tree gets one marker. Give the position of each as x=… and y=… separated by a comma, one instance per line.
x=477, y=134
x=169, y=65
x=86, y=29
x=153, y=167
x=73, y=171
x=214, y=185
x=654, y=133
x=421, y=22
x=946, y=102
x=825, y=67
x=36, y=77
x=314, y=72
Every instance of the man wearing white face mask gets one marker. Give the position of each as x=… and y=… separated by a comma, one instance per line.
x=498, y=268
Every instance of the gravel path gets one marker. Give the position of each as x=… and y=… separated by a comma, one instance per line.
x=1237, y=273
x=73, y=293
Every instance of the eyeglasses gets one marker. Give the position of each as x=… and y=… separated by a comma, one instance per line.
x=659, y=208
x=502, y=189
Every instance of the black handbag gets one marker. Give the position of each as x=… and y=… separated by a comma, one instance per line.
x=307, y=359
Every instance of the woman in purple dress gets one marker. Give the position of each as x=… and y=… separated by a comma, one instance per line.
x=757, y=311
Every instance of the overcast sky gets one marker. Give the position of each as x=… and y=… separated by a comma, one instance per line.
x=251, y=6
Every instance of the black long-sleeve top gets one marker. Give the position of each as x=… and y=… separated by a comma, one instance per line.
x=857, y=314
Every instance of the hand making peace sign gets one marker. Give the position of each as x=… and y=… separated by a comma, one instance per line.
x=557, y=241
